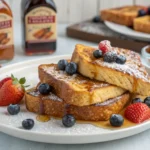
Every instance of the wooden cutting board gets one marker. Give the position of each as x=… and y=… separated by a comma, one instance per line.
x=95, y=32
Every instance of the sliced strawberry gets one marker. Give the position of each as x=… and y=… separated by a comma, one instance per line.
x=4, y=80
x=137, y=112
x=105, y=46
x=12, y=91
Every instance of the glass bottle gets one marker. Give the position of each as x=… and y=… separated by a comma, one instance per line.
x=6, y=32
x=39, y=17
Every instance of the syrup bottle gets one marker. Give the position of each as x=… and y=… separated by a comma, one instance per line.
x=6, y=32
x=39, y=26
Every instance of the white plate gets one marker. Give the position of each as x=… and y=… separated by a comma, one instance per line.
x=53, y=131
x=128, y=31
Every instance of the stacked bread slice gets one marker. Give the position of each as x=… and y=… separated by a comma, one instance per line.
x=96, y=92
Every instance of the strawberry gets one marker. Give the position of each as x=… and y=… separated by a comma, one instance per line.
x=105, y=46
x=4, y=80
x=12, y=91
x=137, y=112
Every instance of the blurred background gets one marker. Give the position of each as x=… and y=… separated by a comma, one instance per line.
x=70, y=11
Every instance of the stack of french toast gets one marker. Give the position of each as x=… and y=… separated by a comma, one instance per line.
x=92, y=85
x=135, y=16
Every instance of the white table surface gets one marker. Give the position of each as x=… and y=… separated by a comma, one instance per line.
x=66, y=46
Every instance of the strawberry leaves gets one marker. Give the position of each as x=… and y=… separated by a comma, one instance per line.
x=19, y=82
x=22, y=80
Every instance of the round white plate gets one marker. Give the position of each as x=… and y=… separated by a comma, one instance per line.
x=53, y=131
x=128, y=31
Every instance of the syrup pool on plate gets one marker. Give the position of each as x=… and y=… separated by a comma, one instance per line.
x=43, y=118
x=107, y=125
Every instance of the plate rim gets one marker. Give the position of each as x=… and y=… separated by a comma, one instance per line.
x=144, y=126
x=136, y=35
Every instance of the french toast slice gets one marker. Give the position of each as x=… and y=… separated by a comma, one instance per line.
x=54, y=106
x=131, y=76
x=142, y=24
x=76, y=89
x=122, y=15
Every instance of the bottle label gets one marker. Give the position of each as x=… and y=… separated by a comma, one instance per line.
x=6, y=31
x=40, y=25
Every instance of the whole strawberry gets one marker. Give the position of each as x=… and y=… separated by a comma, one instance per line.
x=105, y=46
x=4, y=80
x=137, y=112
x=12, y=91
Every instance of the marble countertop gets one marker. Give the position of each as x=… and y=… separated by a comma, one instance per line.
x=66, y=46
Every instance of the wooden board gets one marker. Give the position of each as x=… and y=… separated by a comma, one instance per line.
x=95, y=32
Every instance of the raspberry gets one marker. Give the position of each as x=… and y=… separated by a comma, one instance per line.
x=105, y=46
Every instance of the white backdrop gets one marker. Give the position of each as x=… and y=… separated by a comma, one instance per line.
x=78, y=10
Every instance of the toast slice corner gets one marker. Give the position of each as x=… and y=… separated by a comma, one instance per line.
x=131, y=76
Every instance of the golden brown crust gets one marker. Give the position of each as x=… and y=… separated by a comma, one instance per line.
x=76, y=89
x=95, y=112
x=122, y=15
x=131, y=76
x=142, y=24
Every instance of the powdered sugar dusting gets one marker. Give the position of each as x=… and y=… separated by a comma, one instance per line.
x=75, y=79
x=51, y=96
x=133, y=65
x=110, y=101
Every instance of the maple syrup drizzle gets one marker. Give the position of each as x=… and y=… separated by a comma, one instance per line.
x=66, y=109
x=41, y=117
x=107, y=125
x=102, y=124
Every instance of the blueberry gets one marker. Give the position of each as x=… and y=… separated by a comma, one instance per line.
x=148, y=10
x=120, y=59
x=97, y=53
x=68, y=120
x=62, y=64
x=147, y=101
x=142, y=13
x=71, y=68
x=110, y=57
x=96, y=19
x=13, y=109
x=28, y=124
x=44, y=89
x=116, y=120
x=137, y=100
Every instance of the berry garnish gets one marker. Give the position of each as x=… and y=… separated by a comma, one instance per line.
x=13, y=109
x=28, y=124
x=142, y=13
x=137, y=112
x=12, y=91
x=4, y=80
x=137, y=100
x=147, y=101
x=105, y=46
x=116, y=120
x=44, y=88
x=71, y=68
x=62, y=64
x=110, y=57
x=96, y=19
x=120, y=59
x=97, y=53
x=68, y=120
